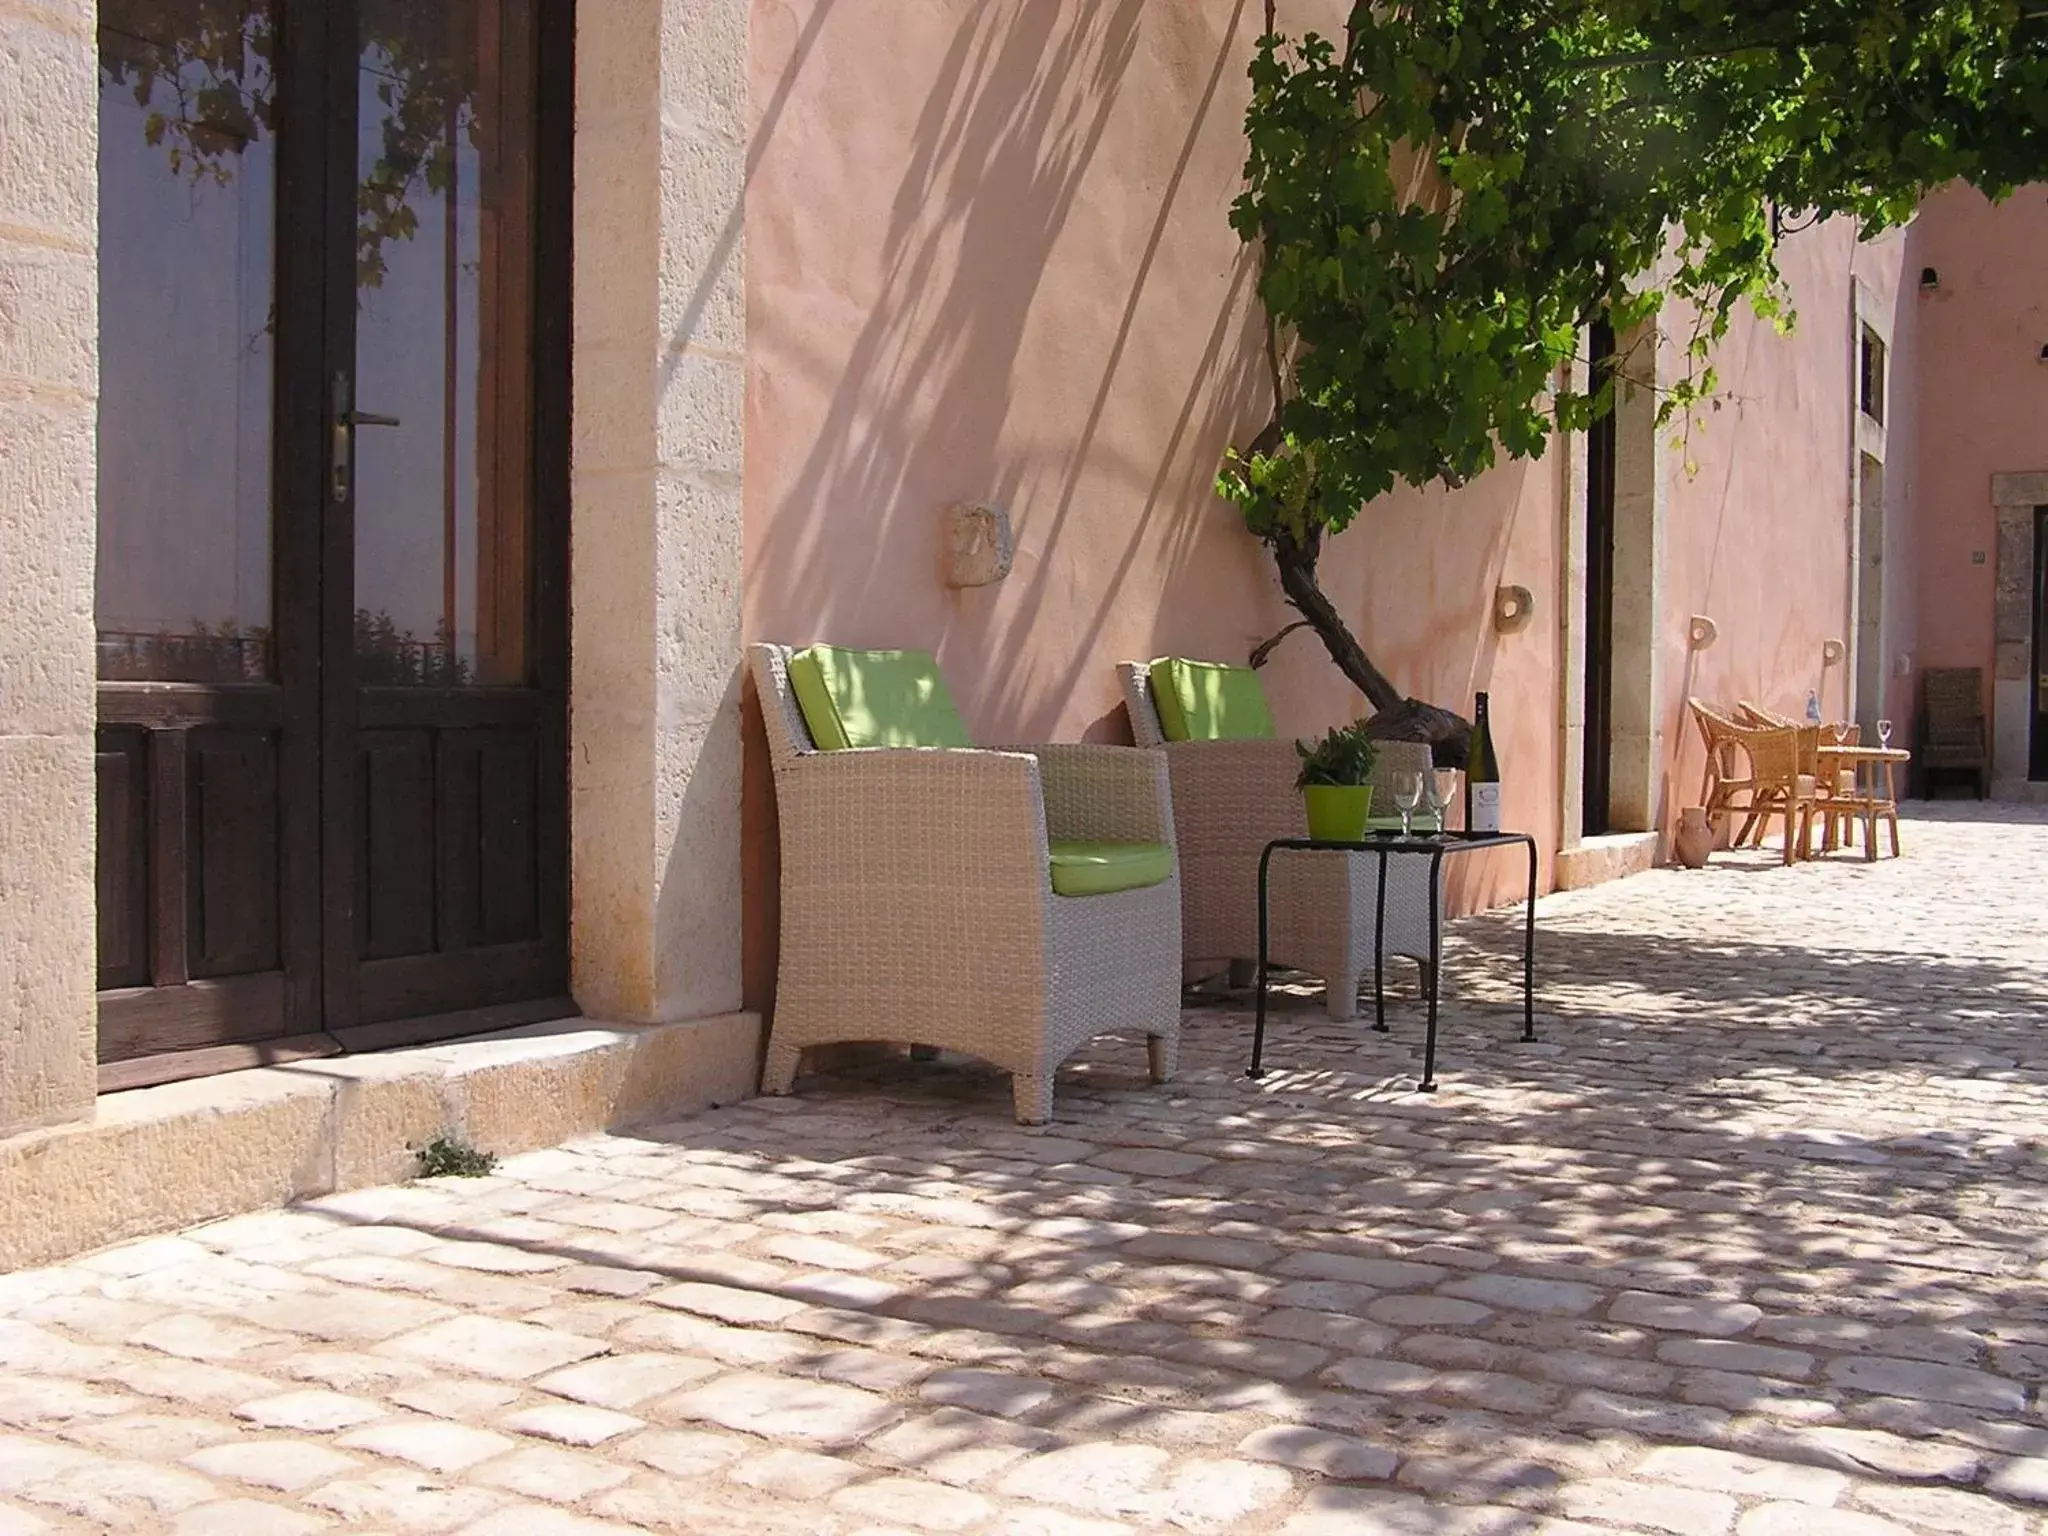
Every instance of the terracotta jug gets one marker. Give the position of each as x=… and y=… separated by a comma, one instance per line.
x=1695, y=839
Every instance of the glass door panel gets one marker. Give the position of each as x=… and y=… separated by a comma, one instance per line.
x=188, y=168
x=444, y=374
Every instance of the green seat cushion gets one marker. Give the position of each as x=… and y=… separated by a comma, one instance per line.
x=1096, y=869
x=1206, y=701
x=874, y=699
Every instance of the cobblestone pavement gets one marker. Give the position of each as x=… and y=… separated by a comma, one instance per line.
x=1752, y=1242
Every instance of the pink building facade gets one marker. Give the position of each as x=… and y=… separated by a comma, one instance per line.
x=1979, y=461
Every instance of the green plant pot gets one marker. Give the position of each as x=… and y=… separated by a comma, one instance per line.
x=1337, y=813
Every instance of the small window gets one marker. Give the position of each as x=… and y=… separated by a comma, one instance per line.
x=1870, y=375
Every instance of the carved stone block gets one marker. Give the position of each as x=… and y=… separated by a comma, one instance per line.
x=978, y=545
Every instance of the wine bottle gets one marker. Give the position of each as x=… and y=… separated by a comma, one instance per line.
x=1482, y=776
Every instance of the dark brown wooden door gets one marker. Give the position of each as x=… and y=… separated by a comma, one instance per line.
x=2037, y=755
x=332, y=808
x=1598, y=778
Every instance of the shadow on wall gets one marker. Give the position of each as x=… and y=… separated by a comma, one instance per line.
x=921, y=404
x=918, y=402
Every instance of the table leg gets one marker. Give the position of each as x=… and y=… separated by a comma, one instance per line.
x=1436, y=966
x=1379, y=930
x=1529, y=953
x=1257, y=1068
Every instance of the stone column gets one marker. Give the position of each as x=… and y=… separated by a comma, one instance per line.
x=655, y=520
x=2014, y=498
x=1639, y=519
x=49, y=383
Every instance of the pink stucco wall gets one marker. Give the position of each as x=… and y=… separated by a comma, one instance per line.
x=1759, y=501
x=1982, y=404
x=988, y=259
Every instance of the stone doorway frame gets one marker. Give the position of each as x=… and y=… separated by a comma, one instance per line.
x=658, y=354
x=2013, y=500
x=1637, y=714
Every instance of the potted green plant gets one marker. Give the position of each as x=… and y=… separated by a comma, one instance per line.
x=1335, y=783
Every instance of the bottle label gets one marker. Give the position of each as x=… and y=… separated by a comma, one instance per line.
x=1485, y=808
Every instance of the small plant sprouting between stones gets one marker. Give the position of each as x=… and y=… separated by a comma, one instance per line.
x=450, y=1157
x=1345, y=756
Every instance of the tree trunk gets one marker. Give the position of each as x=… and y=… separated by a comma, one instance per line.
x=1394, y=719
x=1297, y=562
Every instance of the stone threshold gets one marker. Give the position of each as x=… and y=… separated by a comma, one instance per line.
x=2019, y=791
x=158, y=1159
x=1610, y=857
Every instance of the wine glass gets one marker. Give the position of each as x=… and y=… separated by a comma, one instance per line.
x=1884, y=733
x=1443, y=790
x=1839, y=729
x=1434, y=799
x=1407, y=795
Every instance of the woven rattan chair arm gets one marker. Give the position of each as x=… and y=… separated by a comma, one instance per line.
x=1095, y=792
x=909, y=817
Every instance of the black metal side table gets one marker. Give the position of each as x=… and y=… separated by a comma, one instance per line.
x=1385, y=846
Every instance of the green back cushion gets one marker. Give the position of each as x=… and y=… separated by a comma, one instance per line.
x=874, y=699
x=1202, y=701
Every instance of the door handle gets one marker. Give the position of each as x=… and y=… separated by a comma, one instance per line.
x=341, y=446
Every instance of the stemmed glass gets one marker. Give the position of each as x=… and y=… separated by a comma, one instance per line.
x=1407, y=795
x=1433, y=801
x=1839, y=729
x=1884, y=733
x=1443, y=785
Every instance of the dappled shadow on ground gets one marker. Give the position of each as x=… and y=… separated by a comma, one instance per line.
x=1745, y=1196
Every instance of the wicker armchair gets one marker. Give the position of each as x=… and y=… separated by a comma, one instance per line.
x=917, y=902
x=1728, y=786
x=1952, y=736
x=1781, y=762
x=1230, y=799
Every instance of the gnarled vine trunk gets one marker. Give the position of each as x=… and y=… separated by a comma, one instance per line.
x=1395, y=718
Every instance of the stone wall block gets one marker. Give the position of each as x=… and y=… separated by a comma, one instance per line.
x=704, y=67
x=618, y=249
x=47, y=1043
x=702, y=414
x=46, y=596
x=703, y=189
x=49, y=317
x=697, y=913
x=49, y=128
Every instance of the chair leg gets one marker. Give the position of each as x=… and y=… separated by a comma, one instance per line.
x=1162, y=1054
x=1342, y=998
x=1033, y=1095
x=1893, y=818
x=778, y=1073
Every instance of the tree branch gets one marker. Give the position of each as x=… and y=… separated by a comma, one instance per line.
x=1263, y=651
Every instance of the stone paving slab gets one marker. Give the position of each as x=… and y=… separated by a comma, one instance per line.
x=1754, y=1242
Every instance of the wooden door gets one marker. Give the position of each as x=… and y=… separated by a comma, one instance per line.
x=444, y=772
x=1597, y=783
x=2037, y=757
x=312, y=822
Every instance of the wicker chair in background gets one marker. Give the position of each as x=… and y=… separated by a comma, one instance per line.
x=1782, y=759
x=1952, y=736
x=917, y=902
x=1230, y=799
x=1726, y=790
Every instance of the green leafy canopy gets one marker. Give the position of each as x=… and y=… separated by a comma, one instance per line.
x=1447, y=195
